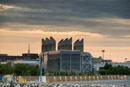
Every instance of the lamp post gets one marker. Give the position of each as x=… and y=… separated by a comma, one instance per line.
x=41, y=59
x=125, y=59
x=103, y=51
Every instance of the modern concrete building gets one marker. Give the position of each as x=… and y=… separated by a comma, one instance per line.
x=64, y=60
x=79, y=45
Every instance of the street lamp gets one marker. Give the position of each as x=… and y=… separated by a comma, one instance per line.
x=125, y=59
x=41, y=61
x=103, y=51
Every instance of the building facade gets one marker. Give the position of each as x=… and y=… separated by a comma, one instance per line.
x=58, y=61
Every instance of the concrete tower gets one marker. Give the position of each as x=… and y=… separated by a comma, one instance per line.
x=43, y=45
x=65, y=44
x=48, y=44
x=60, y=43
x=79, y=45
x=52, y=44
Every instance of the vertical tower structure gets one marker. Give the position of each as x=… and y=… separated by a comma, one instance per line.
x=60, y=43
x=79, y=45
x=65, y=44
x=48, y=44
x=43, y=45
x=53, y=44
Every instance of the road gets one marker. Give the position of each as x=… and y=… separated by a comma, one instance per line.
x=113, y=82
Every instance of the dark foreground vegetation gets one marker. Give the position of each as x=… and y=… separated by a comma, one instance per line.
x=19, y=70
x=108, y=69
x=30, y=70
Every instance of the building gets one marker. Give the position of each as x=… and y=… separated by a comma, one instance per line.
x=97, y=60
x=64, y=60
x=31, y=56
x=30, y=62
x=6, y=57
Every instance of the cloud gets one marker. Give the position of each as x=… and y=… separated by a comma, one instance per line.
x=110, y=18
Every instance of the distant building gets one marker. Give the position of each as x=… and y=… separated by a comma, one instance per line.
x=97, y=60
x=31, y=56
x=108, y=61
x=13, y=62
x=30, y=62
x=5, y=57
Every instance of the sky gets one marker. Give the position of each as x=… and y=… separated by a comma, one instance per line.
x=104, y=25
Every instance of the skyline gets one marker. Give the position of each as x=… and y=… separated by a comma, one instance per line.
x=104, y=25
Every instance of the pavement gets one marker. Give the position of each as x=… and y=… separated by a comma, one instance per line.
x=105, y=83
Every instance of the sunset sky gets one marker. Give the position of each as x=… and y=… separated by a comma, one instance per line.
x=104, y=24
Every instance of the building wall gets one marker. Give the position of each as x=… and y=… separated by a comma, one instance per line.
x=53, y=63
x=62, y=61
x=70, y=61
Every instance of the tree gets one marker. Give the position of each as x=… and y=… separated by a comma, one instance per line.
x=19, y=69
x=116, y=70
x=107, y=66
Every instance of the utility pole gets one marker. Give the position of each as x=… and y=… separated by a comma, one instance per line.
x=41, y=63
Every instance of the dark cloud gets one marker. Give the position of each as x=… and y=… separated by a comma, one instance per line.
x=70, y=13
